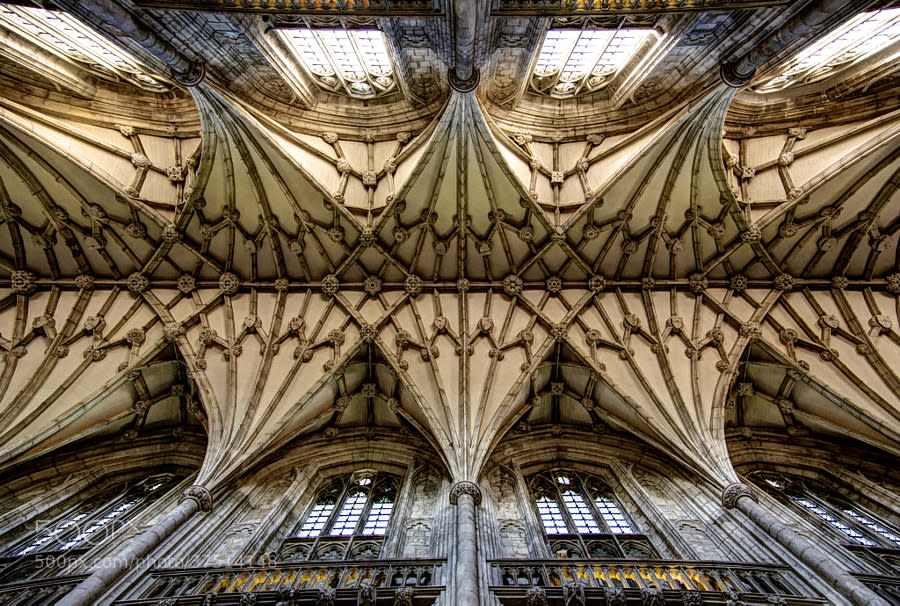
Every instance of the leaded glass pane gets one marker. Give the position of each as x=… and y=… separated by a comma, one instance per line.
x=872, y=525
x=374, y=52
x=613, y=516
x=67, y=37
x=575, y=61
x=102, y=523
x=93, y=520
x=315, y=521
x=379, y=516
x=618, y=51
x=822, y=513
x=306, y=46
x=348, y=517
x=551, y=516
x=555, y=51
x=580, y=513
x=338, y=44
x=860, y=37
x=45, y=540
x=584, y=55
x=352, y=62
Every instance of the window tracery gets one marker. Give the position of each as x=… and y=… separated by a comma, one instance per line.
x=850, y=520
x=577, y=61
x=66, y=37
x=87, y=524
x=348, y=519
x=582, y=517
x=349, y=61
x=858, y=38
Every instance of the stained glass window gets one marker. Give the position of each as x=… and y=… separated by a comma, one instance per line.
x=858, y=38
x=316, y=519
x=581, y=514
x=574, y=61
x=103, y=522
x=823, y=513
x=66, y=37
x=349, y=515
x=351, y=62
x=46, y=539
x=872, y=525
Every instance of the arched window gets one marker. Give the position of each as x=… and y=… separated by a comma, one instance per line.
x=352, y=62
x=859, y=38
x=582, y=517
x=348, y=519
x=83, y=526
x=854, y=523
x=575, y=61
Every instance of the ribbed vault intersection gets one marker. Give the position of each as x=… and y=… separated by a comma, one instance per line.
x=462, y=279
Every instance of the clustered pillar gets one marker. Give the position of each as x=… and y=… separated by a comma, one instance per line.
x=741, y=497
x=466, y=496
x=193, y=499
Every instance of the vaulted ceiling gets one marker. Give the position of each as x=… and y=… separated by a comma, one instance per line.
x=271, y=260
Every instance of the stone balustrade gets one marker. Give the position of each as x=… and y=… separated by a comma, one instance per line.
x=651, y=581
x=887, y=587
x=38, y=592
x=339, y=581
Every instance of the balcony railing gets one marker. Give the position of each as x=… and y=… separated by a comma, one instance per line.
x=887, y=587
x=38, y=592
x=678, y=582
x=879, y=560
x=41, y=565
x=423, y=579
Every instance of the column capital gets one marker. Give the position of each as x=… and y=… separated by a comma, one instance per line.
x=462, y=86
x=200, y=495
x=733, y=492
x=732, y=77
x=469, y=488
x=192, y=76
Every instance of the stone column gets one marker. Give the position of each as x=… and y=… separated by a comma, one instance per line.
x=466, y=496
x=463, y=75
x=741, y=497
x=86, y=593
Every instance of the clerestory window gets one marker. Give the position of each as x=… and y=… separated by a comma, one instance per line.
x=576, y=61
x=852, y=522
x=87, y=524
x=352, y=62
x=68, y=38
x=92, y=521
x=348, y=519
x=582, y=517
x=858, y=38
